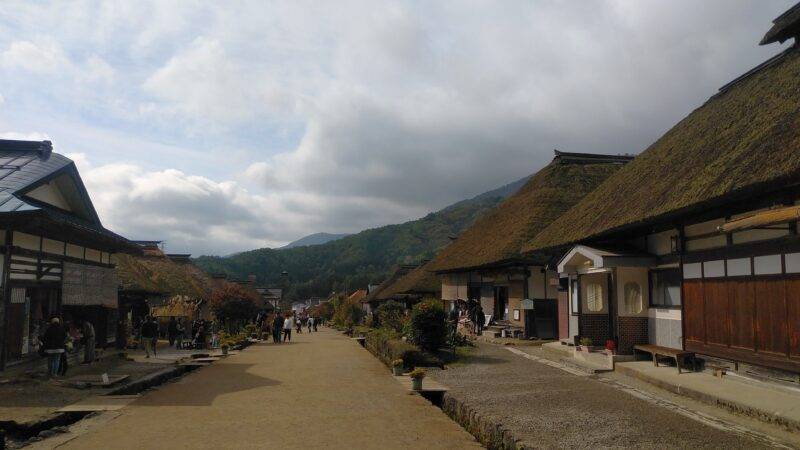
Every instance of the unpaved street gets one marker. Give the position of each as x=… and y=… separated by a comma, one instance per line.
x=320, y=391
x=546, y=407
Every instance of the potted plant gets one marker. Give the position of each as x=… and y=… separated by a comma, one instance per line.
x=397, y=367
x=416, y=378
x=586, y=344
x=225, y=345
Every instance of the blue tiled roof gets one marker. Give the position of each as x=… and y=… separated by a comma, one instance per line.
x=23, y=165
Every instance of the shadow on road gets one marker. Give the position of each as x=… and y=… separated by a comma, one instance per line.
x=226, y=379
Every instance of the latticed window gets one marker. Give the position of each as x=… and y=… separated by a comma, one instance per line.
x=633, y=298
x=594, y=297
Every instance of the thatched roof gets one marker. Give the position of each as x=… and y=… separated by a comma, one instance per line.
x=160, y=275
x=742, y=143
x=397, y=273
x=499, y=235
x=418, y=282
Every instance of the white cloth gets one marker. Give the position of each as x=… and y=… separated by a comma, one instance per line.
x=288, y=324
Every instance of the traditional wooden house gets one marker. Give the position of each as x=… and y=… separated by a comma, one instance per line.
x=58, y=259
x=485, y=262
x=415, y=285
x=150, y=280
x=694, y=244
x=371, y=302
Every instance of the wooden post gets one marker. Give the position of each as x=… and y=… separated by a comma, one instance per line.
x=5, y=301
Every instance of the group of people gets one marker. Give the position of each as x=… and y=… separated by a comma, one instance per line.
x=58, y=340
x=199, y=332
x=472, y=310
x=280, y=326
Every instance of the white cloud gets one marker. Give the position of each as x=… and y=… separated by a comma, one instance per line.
x=335, y=116
x=46, y=57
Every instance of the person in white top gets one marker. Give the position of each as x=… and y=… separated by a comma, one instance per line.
x=288, y=324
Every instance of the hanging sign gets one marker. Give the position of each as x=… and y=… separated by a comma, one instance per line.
x=527, y=304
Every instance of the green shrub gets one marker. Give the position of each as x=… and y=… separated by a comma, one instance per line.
x=348, y=313
x=389, y=346
x=391, y=315
x=427, y=326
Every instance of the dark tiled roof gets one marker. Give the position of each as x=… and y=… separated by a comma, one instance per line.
x=26, y=164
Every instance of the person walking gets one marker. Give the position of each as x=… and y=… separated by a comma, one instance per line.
x=180, y=330
x=480, y=318
x=314, y=323
x=54, y=345
x=298, y=324
x=288, y=324
x=149, y=336
x=310, y=324
x=200, y=337
x=89, y=341
x=172, y=330
x=277, y=327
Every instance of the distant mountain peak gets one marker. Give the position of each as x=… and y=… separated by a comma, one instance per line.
x=314, y=239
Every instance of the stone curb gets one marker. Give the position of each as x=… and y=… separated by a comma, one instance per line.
x=729, y=405
x=492, y=435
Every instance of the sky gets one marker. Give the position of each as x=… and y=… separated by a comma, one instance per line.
x=226, y=126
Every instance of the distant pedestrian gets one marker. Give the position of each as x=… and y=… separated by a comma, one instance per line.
x=298, y=323
x=122, y=335
x=89, y=341
x=288, y=324
x=180, y=331
x=310, y=323
x=479, y=319
x=149, y=336
x=200, y=337
x=54, y=344
x=277, y=327
x=172, y=331
x=314, y=323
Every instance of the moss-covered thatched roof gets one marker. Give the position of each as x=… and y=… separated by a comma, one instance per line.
x=742, y=143
x=397, y=273
x=418, y=282
x=498, y=236
x=160, y=275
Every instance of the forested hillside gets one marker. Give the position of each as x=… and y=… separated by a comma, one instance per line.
x=358, y=259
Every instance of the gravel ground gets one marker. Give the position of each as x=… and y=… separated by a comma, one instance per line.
x=545, y=407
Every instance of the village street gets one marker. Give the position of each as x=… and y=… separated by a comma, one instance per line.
x=320, y=391
x=324, y=391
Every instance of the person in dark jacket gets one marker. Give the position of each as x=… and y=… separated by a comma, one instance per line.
x=149, y=335
x=54, y=344
x=277, y=328
x=172, y=330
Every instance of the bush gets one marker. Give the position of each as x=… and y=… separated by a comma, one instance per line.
x=388, y=346
x=391, y=315
x=348, y=313
x=427, y=326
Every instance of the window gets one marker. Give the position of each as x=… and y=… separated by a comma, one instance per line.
x=633, y=298
x=594, y=297
x=665, y=288
x=574, y=294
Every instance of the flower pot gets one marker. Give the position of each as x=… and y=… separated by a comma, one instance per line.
x=224, y=350
x=416, y=384
x=397, y=370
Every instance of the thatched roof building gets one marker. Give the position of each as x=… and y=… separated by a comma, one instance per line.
x=162, y=276
x=496, y=238
x=418, y=283
x=743, y=142
x=399, y=271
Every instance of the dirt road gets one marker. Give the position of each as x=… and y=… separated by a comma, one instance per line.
x=320, y=391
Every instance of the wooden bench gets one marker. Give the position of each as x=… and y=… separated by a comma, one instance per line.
x=656, y=350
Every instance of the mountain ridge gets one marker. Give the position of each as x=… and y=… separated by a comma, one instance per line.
x=358, y=259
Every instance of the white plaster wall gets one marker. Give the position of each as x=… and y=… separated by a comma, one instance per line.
x=27, y=241
x=538, y=284
x=661, y=243
x=51, y=195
